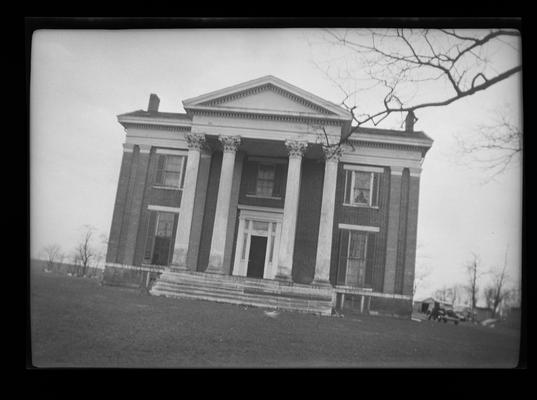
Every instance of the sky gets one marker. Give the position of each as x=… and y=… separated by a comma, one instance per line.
x=81, y=80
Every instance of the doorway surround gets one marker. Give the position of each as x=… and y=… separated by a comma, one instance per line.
x=258, y=221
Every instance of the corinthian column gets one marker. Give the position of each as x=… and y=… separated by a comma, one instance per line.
x=290, y=210
x=196, y=142
x=230, y=145
x=326, y=223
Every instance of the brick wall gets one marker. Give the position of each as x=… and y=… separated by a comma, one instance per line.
x=363, y=216
x=152, y=196
x=119, y=208
x=309, y=213
x=412, y=233
x=402, y=233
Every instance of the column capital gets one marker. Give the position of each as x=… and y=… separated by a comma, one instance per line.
x=230, y=144
x=195, y=141
x=415, y=172
x=332, y=153
x=128, y=147
x=395, y=170
x=144, y=148
x=296, y=148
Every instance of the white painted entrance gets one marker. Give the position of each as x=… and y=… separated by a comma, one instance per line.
x=258, y=221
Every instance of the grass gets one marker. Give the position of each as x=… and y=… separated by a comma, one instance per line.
x=75, y=322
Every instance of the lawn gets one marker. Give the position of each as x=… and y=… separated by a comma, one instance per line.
x=75, y=322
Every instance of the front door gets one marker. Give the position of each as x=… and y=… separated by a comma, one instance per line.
x=256, y=259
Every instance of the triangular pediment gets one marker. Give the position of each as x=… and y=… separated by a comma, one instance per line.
x=267, y=95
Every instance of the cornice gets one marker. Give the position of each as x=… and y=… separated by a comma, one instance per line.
x=129, y=119
x=266, y=115
x=380, y=144
x=174, y=128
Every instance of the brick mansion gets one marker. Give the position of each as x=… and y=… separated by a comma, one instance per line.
x=244, y=199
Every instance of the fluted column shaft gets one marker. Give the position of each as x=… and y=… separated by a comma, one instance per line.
x=230, y=145
x=196, y=142
x=326, y=222
x=290, y=210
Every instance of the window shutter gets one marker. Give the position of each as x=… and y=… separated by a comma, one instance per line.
x=279, y=175
x=251, y=177
x=342, y=259
x=370, y=258
x=348, y=184
x=172, y=239
x=375, y=188
x=160, y=169
x=150, y=237
x=183, y=166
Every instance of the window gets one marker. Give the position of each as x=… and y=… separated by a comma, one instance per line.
x=170, y=170
x=356, y=259
x=265, y=180
x=361, y=188
x=159, y=237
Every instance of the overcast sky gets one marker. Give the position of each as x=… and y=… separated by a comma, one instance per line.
x=81, y=80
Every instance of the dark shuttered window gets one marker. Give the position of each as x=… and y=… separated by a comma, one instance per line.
x=159, y=240
x=265, y=179
x=150, y=237
x=170, y=170
x=361, y=188
x=355, y=258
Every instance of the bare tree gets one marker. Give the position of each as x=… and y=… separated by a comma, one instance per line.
x=84, y=252
x=496, y=292
x=495, y=147
x=474, y=273
x=53, y=255
x=455, y=63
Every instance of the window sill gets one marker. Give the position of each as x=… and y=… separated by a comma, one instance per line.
x=256, y=196
x=361, y=206
x=166, y=187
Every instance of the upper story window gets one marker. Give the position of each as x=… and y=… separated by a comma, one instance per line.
x=265, y=178
x=361, y=188
x=170, y=170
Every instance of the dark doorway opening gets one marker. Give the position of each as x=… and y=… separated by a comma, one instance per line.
x=256, y=259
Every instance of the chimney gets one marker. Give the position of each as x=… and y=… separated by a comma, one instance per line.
x=154, y=101
x=409, y=121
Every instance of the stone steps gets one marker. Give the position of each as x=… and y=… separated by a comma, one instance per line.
x=247, y=291
x=244, y=300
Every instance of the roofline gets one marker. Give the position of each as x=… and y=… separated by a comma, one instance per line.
x=131, y=119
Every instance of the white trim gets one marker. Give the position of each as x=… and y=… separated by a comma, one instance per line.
x=125, y=119
x=259, y=196
x=269, y=160
x=354, y=167
x=366, y=137
x=161, y=187
x=163, y=208
x=363, y=228
x=273, y=210
x=396, y=170
x=176, y=152
x=144, y=267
